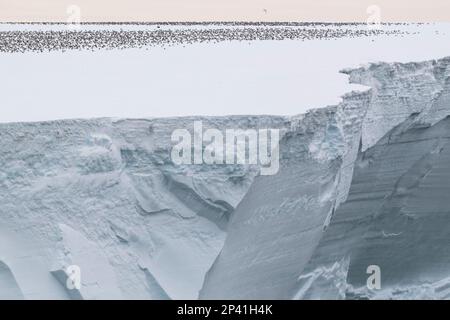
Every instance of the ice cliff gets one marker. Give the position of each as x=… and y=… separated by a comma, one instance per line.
x=362, y=183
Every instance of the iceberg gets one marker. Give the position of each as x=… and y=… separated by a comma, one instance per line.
x=362, y=187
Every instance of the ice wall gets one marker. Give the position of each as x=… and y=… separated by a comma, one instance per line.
x=361, y=182
x=105, y=196
x=299, y=234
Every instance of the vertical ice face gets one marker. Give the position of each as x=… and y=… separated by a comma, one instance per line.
x=396, y=217
x=400, y=89
x=302, y=234
x=103, y=195
x=275, y=228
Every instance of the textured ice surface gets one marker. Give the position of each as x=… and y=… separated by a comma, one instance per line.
x=363, y=182
x=104, y=195
x=396, y=216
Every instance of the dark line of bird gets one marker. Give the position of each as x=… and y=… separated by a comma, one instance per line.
x=62, y=40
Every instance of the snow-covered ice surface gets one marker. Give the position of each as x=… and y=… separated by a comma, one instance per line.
x=218, y=77
x=362, y=182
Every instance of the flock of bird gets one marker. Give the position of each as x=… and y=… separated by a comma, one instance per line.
x=66, y=37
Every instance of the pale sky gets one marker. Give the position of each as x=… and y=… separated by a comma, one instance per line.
x=224, y=10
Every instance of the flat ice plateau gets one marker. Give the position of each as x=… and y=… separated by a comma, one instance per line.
x=362, y=182
x=218, y=77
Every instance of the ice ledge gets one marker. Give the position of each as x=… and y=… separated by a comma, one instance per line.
x=399, y=90
x=276, y=228
x=99, y=176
